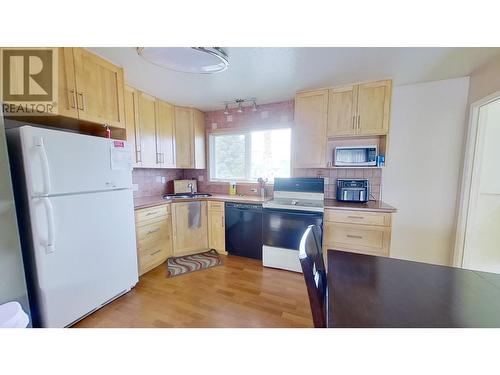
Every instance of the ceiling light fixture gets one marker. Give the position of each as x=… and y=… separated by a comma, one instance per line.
x=239, y=103
x=197, y=60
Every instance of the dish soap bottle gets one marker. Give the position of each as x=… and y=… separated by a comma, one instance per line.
x=232, y=188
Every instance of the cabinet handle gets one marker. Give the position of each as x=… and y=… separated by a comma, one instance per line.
x=359, y=122
x=353, y=236
x=151, y=213
x=155, y=252
x=354, y=122
x=222, y=224
x=153, y=231
x=80, y=95
x=138, y=156
x=162, y=155
x=355, y=217
x=72, y=98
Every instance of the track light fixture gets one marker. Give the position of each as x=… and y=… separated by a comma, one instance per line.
x=239, y=103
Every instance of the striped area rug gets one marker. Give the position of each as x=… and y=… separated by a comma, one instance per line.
x=189, y=263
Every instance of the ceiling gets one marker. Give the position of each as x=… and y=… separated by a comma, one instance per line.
x=275, y=74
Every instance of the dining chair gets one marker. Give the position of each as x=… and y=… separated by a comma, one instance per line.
x=313, y=268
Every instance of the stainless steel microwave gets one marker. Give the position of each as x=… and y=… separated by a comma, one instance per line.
x=355, y=156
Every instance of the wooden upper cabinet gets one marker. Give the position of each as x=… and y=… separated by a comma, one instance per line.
x=342, y=110
x=132, y=123
x=99, y=89
x=66, y=84
x=165, y=136
x=184, y=132
x=199, y=139
x=309, y=133
x=374, y=100
x=147, y=126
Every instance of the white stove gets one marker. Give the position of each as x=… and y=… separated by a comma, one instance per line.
x=297, y=203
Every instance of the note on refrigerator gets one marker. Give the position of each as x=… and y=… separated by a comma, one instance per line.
x=121, y=155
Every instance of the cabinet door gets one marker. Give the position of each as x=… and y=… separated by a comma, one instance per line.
x=199, y=139
x=99, y=87
x=309, y=133
x=373, y=108
x=342, y=111
x=132, y=123
x=147, y=126
x=216, y=230
x=66, y=84
x=165, y=134
x=184, y=137
x=188, y=240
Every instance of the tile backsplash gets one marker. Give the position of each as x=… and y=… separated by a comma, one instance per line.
x=272, y=114
x=149, y=181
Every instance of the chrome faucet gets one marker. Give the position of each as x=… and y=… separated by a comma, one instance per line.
x=190, y=186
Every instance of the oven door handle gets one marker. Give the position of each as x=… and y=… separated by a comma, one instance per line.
x=296, y=213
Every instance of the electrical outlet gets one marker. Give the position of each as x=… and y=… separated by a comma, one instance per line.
x=229, y=118
x=264, y=114
x=135, y=187
x=158, y=178
x=201, y=178
x=214, y=125
x=327, y=180
x=163, y=180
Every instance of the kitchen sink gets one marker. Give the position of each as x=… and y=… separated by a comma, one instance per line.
x=186, y=195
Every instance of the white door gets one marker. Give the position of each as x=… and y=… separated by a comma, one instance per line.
x=482, y=235
x=92, y=257
x=58, y=162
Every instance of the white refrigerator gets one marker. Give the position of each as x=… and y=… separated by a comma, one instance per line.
x=76, y=216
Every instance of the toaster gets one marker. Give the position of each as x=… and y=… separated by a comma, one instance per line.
x=349, y=190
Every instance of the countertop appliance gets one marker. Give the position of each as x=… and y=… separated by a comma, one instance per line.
x=244, y=229
x=355, y=156
x=353, y=190
x=297, y=203
x=76, y=215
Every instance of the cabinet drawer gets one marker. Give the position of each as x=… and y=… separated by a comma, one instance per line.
x=358, y=238
x=147, y=214
x=358, y=217
x=215, y=206
x=152, y=233
x=151, y=258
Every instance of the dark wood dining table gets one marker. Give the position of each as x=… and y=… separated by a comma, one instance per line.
x=372, y=291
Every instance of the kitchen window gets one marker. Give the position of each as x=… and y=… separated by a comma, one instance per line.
x=248, y=155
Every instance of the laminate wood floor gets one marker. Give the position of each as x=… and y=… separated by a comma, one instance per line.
x=239, y=293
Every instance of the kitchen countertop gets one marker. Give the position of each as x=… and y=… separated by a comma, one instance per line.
x=145, y=202
x=378, y=206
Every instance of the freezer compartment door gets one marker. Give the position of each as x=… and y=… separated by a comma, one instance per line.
x=58, y=162
x=85, y=253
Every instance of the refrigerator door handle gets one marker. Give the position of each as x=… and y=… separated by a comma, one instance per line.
x=45, y=165
x=51, y=234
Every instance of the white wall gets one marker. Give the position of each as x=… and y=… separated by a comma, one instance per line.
x=423, y=169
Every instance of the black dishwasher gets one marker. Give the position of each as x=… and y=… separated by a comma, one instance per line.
x=244, y=230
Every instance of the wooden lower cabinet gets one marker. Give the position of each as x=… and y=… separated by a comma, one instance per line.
x=216, y=227
x=366, y=232
x=189, y=239
x=154, y=236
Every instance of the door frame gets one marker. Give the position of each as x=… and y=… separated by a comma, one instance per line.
x=467, y=174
